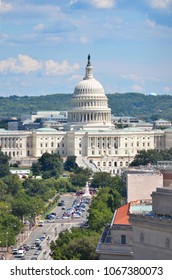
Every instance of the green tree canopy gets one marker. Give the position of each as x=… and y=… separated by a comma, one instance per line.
x=77, y=244
x=4, y=165
x=70, y=164
x=49, y=165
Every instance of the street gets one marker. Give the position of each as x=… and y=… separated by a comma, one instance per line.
x=51, y=230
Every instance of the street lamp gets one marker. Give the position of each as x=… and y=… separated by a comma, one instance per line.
x=7, y=242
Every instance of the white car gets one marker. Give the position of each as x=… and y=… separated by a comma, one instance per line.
x=76, y=215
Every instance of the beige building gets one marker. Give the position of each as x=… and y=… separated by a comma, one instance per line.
x=152, y=231
x=116, y=242
x=89, y=134
x=140, y=230
x=141, y=183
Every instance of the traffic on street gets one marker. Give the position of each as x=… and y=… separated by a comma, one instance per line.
x=71, y=211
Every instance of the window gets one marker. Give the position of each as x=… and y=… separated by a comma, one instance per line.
x=123, y=239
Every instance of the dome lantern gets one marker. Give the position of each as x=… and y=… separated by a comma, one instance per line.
x=89, y=70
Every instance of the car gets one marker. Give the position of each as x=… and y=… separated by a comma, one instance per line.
x=37, y=242
x=63, y=208
x=15, y=251
x=51, y=221
x=76, y=215
x=40, y=248
x=53, y=214
x=34, y=258
x=85, y=225
x=60, y=204
x=33, y=246
x=65, y=217
x=37, y=253
x=27, y=247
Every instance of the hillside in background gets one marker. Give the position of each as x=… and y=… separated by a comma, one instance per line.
x=129, y=104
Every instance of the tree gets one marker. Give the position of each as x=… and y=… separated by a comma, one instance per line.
x=101, y=179
x=51, y=165
x=79, y=180
x=145, y=157
x=102, y=208
x=64, y=185
x=77, y=244
x=14, y=184
x=36, y=168
x=4, y=165
x=39, y=188
x=70, y=164
x=10, y=226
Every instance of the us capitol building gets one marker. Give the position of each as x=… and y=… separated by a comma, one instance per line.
x=89, y=134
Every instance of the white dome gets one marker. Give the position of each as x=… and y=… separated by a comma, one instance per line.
x=89, y=102
x=89, y=86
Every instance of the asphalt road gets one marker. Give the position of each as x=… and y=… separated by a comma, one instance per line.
x=51, y=228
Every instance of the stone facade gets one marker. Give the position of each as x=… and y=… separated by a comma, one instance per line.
x=140, y=185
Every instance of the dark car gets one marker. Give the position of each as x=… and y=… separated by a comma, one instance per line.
x=27, y=247
x=60, y=204
x=53, y=214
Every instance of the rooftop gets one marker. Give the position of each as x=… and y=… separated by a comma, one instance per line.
x=121, y=216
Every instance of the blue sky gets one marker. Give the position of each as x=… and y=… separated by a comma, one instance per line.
x=44, y=45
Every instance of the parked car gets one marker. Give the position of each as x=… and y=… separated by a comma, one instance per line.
x=15, y=251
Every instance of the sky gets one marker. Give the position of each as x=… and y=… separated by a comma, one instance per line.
x=44, y=45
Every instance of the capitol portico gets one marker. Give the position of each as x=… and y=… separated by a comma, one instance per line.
x=88, y=134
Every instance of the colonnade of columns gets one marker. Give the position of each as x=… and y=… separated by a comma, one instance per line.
x=89, y=117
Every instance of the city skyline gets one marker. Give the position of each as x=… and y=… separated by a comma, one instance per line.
x=44, y=46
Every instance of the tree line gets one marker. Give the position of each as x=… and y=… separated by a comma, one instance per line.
x=138, y=105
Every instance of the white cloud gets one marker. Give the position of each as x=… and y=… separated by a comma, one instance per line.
x=84, y=40
x=73, y=2
x=160, y=4
x=53, y=68
x=5, y=7
x=102, y=4
x=24, y=64
x=167, y=89
x=132, y=77
x=137, y=88
x=39, y=27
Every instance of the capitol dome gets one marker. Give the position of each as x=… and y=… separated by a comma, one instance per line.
x=89, y=86
x=89, y=102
